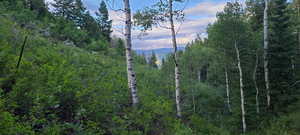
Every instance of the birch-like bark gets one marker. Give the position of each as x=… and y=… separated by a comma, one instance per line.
x=227, y=90
x=129, y=60
x=194, y=103
x=199, y=76
x=266, y=48
x=177, y=74
x=255, y=83
x=241, y=87
x=293, y=65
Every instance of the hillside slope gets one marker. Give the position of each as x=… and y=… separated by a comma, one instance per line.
x=62, y=89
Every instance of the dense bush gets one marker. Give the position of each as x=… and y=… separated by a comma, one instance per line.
x=62, y=89
x=70, y=83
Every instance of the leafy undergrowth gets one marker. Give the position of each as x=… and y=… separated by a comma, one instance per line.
x=60, y=89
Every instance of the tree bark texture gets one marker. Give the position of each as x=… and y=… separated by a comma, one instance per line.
x=129, y=60
x=177, y=73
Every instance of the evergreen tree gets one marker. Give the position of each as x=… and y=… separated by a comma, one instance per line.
x=281, y=52
x=72, y=10
x=296, y=22
x=255, y=9
x=63, y=8
x=153, y=61
x=80, y=16
x=163, y=61
x=120, y=47
x=39, y=6
x=75, y=91
x=140, y=59
x=103, y=21
x=90, y=25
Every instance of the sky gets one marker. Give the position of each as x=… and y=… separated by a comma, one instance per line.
x=198, y=14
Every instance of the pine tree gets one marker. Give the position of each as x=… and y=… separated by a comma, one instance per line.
x=103, y=21
x=79, y=14
x=153, y=60
x=281, y=52
x=163, y=61
x=72, y=10
x=39, y=6
x=89, y=24
x=63, y=8
x=296, y=21
x=75, y=11
x=120, y=47
x=255, y=9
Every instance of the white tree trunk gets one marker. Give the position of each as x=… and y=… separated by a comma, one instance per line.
x=129, y=60
x=199, y=76
x=177, y=74
x=255, y=83
x=227, y=89
x=266, y=48
x=293, y=65
x=194, y=103
x=241, y=88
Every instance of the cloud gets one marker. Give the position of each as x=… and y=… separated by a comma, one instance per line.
x=118, y=22
x=161, y=38
x=205, y=13
x=49, y=1
x=206, y=8
x=196, y=21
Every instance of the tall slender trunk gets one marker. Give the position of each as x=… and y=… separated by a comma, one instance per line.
x=215, y=72
x=21, y=53
x=241, y=87
x=293, y=64
x=298, y=15
x=227, y=89
x=266, y=48
x=298, y=55
x=199, y=76
x=194, y=103
x=255, y=83
x=129, y=60
x=177, y=74
x=298, y=32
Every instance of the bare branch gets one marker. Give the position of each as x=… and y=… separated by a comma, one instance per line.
x=160, y=25
x=186, y=3
x=111, y=6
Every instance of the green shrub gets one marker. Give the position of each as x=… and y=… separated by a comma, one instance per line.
x=9, y=126
x=98, y=46
x=202, y=127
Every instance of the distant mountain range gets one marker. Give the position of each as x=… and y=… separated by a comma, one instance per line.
x=160, y=53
